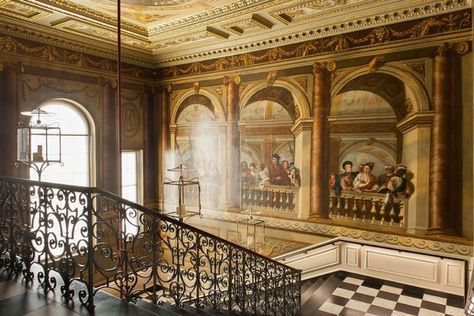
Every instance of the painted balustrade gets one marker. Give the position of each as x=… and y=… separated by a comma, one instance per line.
x=383, y=209
x=269, y=198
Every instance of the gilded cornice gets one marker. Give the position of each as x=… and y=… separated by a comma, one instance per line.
x=412, y=30
x=53, y=54
x=457, y=246
x=76, y=9
x=45, y=38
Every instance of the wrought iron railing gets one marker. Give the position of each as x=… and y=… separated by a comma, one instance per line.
x=82, y=240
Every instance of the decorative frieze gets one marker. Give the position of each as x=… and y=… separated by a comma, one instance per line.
x=411, y=30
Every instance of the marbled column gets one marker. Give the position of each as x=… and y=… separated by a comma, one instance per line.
x=319, y=143
x=8, y=121
x=109, y=152
x=150, y=148
x=233, y=142
x=440, y=152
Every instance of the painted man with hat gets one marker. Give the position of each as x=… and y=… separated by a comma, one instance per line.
x=344, y=180
x=276, y=173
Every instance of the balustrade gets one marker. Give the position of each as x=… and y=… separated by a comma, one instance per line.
x=375, y=208
x=269, y=198
x=82, y=240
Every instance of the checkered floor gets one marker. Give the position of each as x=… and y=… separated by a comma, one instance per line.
x=348, y=294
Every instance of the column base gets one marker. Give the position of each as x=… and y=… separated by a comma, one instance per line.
x=440, y=231
x=320, y=219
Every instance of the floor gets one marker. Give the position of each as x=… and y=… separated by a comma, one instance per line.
x=16, y=300
x=349, y=294
x=335, y=294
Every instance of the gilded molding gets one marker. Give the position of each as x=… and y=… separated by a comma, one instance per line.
x=91, y=13
x=376, y=63
x=390, y=17
x=411, y=30
x=447, y=245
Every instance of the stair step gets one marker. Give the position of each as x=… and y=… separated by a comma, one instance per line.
x=313, y=286
x=318, y=297
x=306, y=285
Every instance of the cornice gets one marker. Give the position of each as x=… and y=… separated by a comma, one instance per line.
x=430, y=27
x=42, y=36
x=329, y=29
x=423, y=119
x=68, y=8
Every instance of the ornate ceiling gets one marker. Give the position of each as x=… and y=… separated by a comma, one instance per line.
x=170, y=32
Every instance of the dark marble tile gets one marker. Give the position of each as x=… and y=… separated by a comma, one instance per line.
x=351, y=312
x=388, y=296
x=433, y=306
x=363, y=298
x=53, y=309
x=349, y=286
x=338, y=300
x=455, y=301
x=413, y=292
x=373, y=283
x=379, y=311
x=407, y=309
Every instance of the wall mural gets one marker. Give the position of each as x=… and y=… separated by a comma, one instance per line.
x=378, y=159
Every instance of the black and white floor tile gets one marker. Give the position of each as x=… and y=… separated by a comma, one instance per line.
x=356, y=295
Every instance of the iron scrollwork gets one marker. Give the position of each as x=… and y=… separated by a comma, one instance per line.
x=82, y=240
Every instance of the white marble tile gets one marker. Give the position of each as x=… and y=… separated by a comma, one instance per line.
x=409, y=300
x=353, y=281
x=450, y=310
x=435, y=299
x=343, y=293
x=391, y=289
x=357, y=305
x=427, y=312
x=397, y=313
x=331, y=308
x=367, y=291
x=384, y=303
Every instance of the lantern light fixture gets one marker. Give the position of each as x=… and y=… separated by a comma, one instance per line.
x=38, y=143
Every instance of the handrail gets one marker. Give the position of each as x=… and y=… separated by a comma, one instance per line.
x=143, y=209
x=86, y=239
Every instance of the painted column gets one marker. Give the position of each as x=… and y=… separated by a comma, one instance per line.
x=302, y=132
x=319, y=193
x=440, y=220
x=416, y=130
x=110, y=151
x=8, y=120
x=233, y=142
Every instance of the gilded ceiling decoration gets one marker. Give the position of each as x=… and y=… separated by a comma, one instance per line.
x=172, y=32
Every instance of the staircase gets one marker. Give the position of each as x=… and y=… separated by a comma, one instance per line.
x=78, y=241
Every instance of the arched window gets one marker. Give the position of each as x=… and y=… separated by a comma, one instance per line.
x=75, y=144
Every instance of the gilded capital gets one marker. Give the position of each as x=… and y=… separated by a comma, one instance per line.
x=324, y=65
x=461, y=48
x=442, y=50
x=232, y=79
